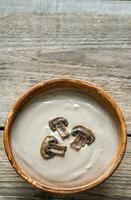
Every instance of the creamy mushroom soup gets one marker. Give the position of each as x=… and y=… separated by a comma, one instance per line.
x=76, y=167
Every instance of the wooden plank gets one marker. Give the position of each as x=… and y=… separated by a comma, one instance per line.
x=42, y=39
x=68, y=6
x=118, y=187
x=111, y=79
x=36, y=46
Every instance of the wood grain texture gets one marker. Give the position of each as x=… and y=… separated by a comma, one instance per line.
x=116, y=188
x=39, y=46
x=89, y=40
x=62, y=6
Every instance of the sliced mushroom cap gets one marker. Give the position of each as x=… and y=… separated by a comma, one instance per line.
x=59, y=124
x=83, y=135
x=56, y=121
x=50, y=148
x=50, y=140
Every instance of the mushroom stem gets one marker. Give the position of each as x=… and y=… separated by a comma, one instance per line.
x=83, y=136
x=62, y=130
x=78, y=142
x=58, y=150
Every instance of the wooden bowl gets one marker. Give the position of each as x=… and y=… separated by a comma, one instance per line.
x=95, y=92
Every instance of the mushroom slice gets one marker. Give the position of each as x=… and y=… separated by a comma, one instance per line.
x=83, y=136
x=50, y=148
x=59, y=124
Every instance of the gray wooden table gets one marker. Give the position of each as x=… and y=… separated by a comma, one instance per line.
x=85, y=39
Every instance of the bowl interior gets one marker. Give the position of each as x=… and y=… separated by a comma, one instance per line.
x=79, y=103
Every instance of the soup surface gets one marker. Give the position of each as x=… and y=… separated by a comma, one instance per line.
x=76, y=167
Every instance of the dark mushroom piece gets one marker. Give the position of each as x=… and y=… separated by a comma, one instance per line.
x=83, y=136
x=59, y=124
x=50, y=148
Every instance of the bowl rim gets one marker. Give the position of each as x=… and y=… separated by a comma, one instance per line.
x=61, y=190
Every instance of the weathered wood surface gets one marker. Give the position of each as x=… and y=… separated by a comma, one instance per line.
x=42, y=39
x=117, y=187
